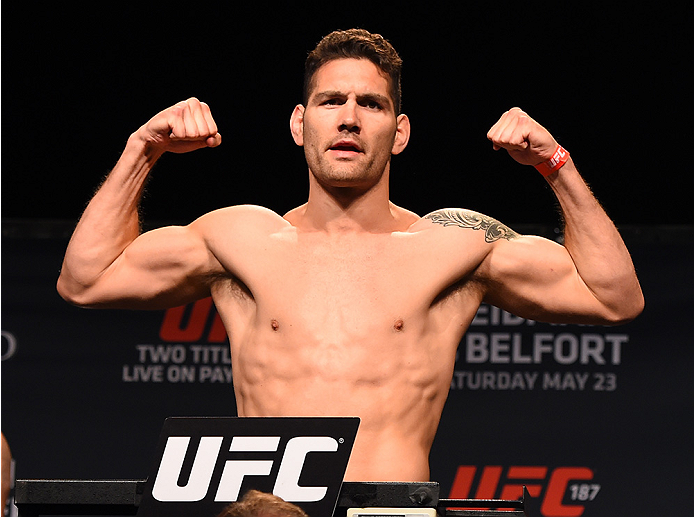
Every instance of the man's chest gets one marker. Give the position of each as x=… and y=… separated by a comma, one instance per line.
x=359, y=284
x=349, y=270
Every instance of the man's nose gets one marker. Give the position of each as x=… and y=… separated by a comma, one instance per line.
x=349, y=117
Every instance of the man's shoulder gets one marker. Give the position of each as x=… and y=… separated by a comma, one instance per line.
x=242, y=216
x=241, y=224
x=465, y=219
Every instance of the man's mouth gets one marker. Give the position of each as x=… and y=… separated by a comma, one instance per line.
x=346, y=146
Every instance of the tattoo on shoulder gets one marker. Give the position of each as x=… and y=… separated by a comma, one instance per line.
x=493, y=229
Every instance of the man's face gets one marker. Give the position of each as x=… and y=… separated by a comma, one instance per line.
x=348, y=128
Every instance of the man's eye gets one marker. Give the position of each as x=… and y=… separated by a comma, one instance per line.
x=331, y=102
x=372, y=105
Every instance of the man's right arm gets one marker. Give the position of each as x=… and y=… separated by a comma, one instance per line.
x=107, y=262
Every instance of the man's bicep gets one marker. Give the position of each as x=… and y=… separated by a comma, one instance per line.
x=161, y=268
x=536, y=278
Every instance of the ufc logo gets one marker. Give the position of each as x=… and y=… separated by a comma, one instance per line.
x=167, y=489
x=553, y=486
x=557, y=157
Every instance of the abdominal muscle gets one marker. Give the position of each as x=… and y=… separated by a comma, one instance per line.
x=394, y=380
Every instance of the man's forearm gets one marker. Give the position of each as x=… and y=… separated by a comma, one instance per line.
x=109, y=223
x=596, y=247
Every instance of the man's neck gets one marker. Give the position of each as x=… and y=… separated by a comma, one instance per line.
x=347, y=210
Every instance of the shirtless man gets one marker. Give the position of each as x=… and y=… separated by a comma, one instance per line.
x=348, y=304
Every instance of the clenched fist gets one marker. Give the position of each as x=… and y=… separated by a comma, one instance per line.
x=184, y=127
x=525, y=140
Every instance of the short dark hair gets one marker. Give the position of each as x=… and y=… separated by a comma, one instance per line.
x=356, y=44
x=261, y=504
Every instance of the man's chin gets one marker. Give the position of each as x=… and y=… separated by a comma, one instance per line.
x=348, y=182
x=347, y=176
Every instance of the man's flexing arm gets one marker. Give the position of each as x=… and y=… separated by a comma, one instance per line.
x=591, y=279
x=107, y=262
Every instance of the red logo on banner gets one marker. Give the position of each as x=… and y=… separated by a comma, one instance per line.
x=495, y=482
x=188, y=323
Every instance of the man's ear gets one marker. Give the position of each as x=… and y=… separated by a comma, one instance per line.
x=296, y=124
x=402, y=134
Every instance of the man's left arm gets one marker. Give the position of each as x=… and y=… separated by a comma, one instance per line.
x=591, y=279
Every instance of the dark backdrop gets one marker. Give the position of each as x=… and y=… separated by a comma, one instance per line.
x=609, y=83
